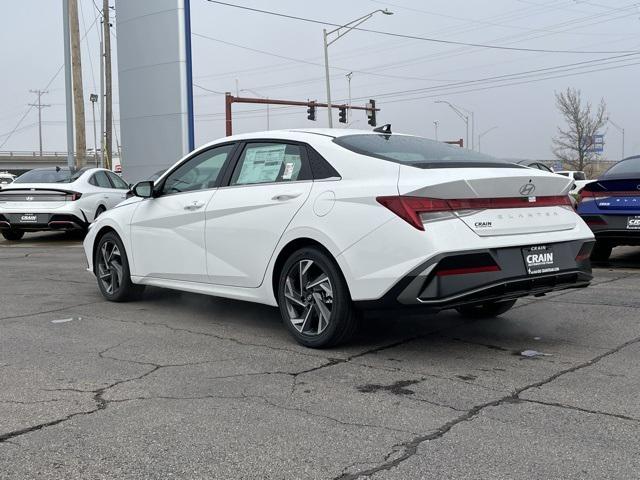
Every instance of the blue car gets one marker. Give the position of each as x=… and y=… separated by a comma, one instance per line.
x=611, y=207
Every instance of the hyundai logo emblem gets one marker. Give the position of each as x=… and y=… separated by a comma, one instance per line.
x=527, y=189
x=638, y=187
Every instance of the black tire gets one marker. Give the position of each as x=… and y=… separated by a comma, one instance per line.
x=101, y=209
x=12, y=235
x=111, y=267
x=486, y=310
x=601, y=251
x=314, y=301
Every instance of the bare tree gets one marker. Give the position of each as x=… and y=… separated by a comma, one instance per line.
x=573, y=144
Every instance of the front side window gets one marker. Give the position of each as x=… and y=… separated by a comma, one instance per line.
x=198, y=173
x=418, y=151
x=269, y=163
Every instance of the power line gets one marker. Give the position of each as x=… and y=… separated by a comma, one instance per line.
x=316, y=64
x=490, y=87
x=516, y=76
x=416, y=37
x=55, y=75
x=488, y=23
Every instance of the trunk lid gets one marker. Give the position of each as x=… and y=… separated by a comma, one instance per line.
x=34, y=196
x=519, y=189
x=616, y=195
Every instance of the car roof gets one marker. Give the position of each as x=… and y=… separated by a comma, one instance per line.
x=295, y=134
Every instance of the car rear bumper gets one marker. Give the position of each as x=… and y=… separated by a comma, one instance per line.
x=43, y=221
x=614, y=229
x=426, y=289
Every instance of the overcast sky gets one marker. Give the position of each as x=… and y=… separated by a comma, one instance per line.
x=405, y=76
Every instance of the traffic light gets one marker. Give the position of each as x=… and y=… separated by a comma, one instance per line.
x=371, y=112
x=342, y=117
x=311, y=112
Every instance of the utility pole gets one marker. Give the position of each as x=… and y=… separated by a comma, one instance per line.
x=101, y=30
x=67, y=83
x=436, y=123
x=78, y=94
x=39, y=106
x=107, y=80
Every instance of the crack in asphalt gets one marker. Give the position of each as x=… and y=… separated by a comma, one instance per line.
x=32, y=402
x=53, y=310
x=410, y=448
x=580, y=409
x=100, y=403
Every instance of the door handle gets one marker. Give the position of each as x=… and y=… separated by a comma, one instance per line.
x=286, y=196
x=195, y=205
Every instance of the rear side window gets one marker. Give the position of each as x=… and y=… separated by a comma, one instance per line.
x=117, y=181
x=269, y=163
x=579, y=176
x=100, y=179
x=418, y=152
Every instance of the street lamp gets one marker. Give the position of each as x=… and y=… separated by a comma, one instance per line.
x=348, y=26
x=349, y=75
x=621, y=130
x=94, y=98
x=261, y=96
x=465, y=119
x=482, y=135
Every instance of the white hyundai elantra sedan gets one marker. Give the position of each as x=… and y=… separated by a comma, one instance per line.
x=324, y=223
x=58, y=199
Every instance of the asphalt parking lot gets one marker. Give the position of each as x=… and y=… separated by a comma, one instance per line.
x=186, y=386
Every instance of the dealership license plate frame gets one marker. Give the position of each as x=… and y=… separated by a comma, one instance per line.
x=539, y=266
x=633, y=222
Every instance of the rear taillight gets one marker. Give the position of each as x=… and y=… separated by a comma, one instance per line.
x=72, y=196
x=466, y=264
x=409, y=208
x=467, y=270
x=601, y=195
x=585, y=252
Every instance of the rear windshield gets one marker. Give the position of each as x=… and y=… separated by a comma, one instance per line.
x=418, y=152
x=625, y=168
x=579, y=176
x=49, y=175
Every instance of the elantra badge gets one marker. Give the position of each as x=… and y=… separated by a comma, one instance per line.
x=527, y=189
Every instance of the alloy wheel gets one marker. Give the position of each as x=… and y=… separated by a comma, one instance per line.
x=110, y=270
x=308, y=297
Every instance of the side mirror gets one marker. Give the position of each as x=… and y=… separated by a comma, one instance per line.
x=143, y=189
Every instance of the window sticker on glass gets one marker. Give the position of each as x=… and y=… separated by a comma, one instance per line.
x=288, y=171
x=261, y=164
